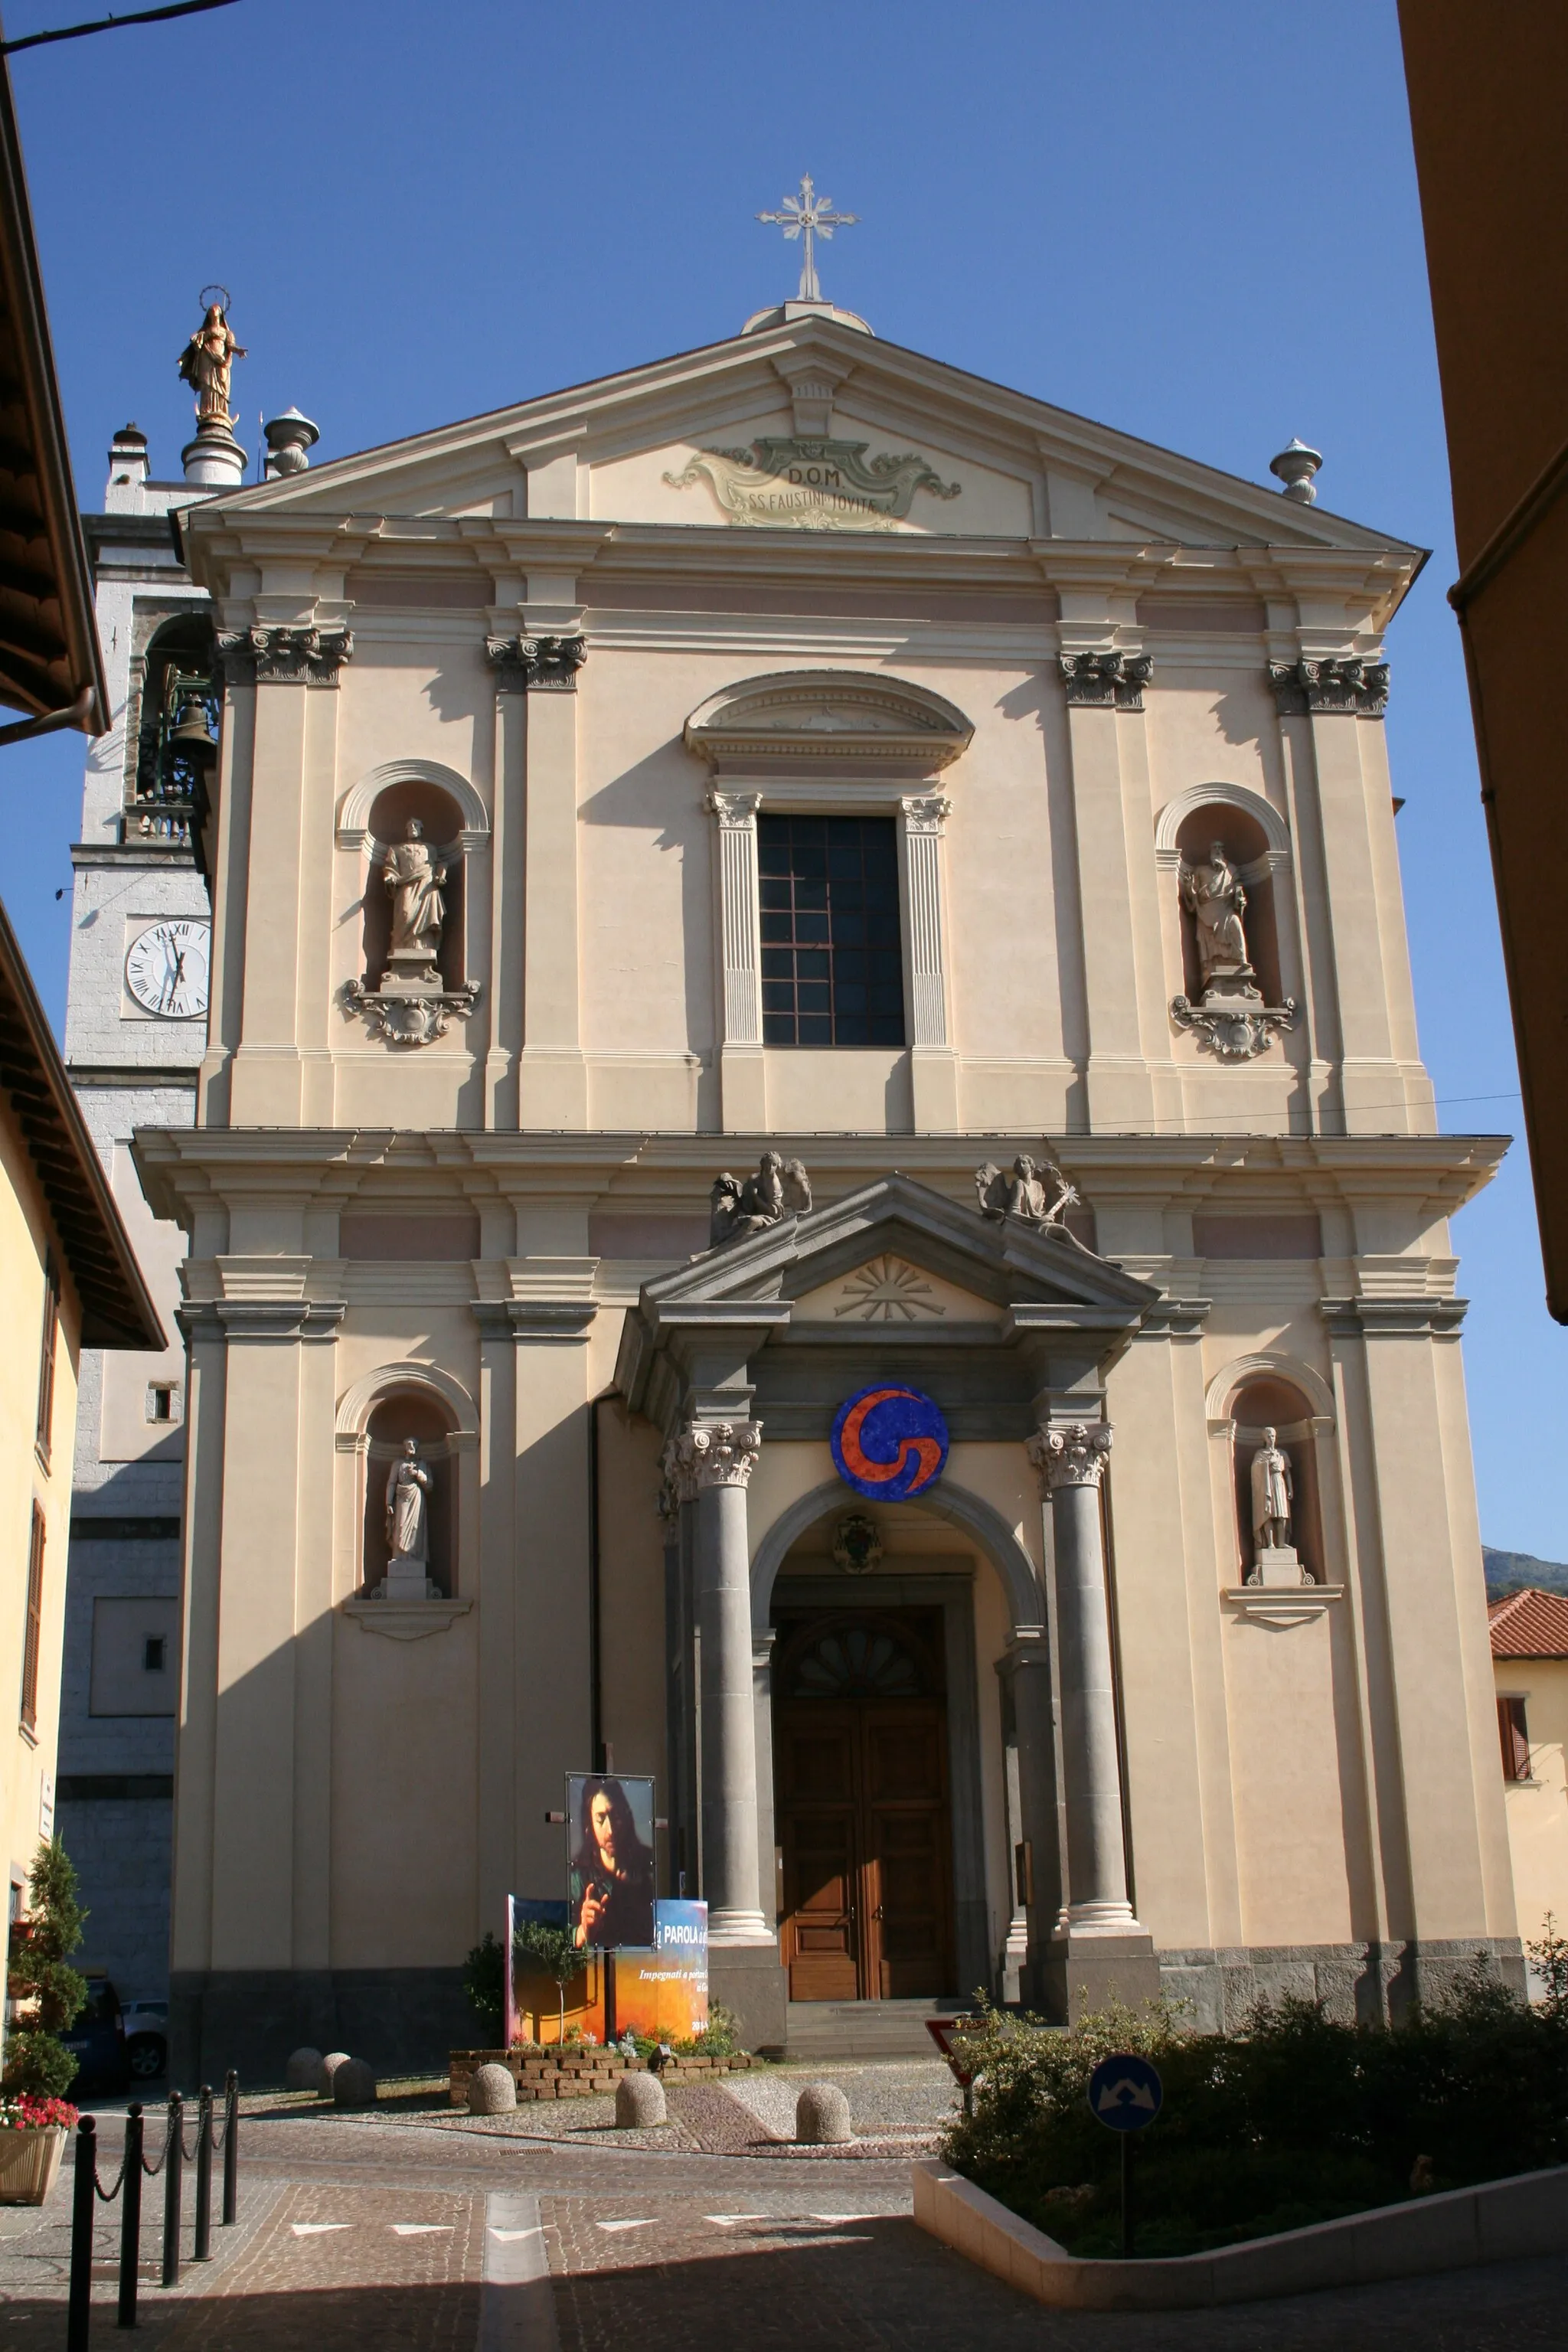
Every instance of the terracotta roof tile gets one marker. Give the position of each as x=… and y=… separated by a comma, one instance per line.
x=1530, y=1624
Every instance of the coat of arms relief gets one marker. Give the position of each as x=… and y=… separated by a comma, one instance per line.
x=792, y=484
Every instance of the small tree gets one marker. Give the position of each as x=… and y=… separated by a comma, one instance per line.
x=482, y=1973
x=551, y=1951
x=41, y=1946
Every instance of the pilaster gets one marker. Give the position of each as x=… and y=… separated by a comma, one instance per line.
x=742, y=1082
x=933, y=1065
x=1098, y=685
x=552, y=1070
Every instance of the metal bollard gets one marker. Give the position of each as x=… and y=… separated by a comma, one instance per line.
x=202, y=2177
x=130, y=2216
x=78, y=2317
x=174, y=2165
x=231, y=2148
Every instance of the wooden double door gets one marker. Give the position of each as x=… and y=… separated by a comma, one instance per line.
x=862, y=1806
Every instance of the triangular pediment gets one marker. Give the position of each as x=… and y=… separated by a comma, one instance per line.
x=807, y=426
x=999, y=1285
x=1003, y=1260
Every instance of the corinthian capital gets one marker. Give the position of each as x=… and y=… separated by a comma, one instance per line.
x=1073, y=1456
x=711, y=1454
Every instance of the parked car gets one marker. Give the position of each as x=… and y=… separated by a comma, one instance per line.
x=112, y=2040
x=146, y=2039
x=97, y=2040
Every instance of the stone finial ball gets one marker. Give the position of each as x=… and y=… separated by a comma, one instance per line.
x=491, y=2090
x=822, y=2116
x=639, y=2101
x=328, y=2068
x=354, y=2084
x=303, y=2071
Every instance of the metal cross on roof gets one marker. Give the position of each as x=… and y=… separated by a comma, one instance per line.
x=809, y=215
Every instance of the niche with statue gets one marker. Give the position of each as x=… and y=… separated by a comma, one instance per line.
x=413, y=947
x=410, y=1548
x=1277, y=1508
x=1232, y=1000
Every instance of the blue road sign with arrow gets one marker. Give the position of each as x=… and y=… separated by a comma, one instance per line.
x=1125, y=2092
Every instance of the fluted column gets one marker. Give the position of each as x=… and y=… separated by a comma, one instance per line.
x=1071, y=1462
x=709, y=1464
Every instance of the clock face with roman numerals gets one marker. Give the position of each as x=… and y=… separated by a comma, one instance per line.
x=166, y=969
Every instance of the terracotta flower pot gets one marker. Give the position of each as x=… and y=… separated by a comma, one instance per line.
x=30, y=2163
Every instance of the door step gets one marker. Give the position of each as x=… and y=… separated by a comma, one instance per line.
x=864, y=2029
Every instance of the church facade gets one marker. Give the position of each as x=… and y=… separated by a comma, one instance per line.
x=677, y=850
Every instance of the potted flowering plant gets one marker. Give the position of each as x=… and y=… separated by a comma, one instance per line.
x=32, y=2141
x=34, y=2116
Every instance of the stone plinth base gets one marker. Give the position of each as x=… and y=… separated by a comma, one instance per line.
x=1279, y=1565
x=750, y=1979
x=1081, y=1974
x=1370, y=1982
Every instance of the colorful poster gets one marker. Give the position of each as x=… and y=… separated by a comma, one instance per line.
x=538, y=2008
x=610, y=1860
x=664, y=1992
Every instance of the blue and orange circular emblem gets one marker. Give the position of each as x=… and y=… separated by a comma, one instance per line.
x=888, y=1442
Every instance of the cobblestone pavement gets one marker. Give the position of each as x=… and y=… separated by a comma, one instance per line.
x=358, y=2236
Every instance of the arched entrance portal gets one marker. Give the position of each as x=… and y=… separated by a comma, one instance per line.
x=885, y=1702
x=862, y=1801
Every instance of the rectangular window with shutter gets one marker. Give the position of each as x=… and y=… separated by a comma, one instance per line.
x=47, y=1357
x=1515, y=1738
x=33, y=1639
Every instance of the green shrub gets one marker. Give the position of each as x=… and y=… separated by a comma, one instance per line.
x=721, y=2039
x=1299, y=2118
x=38, y=1975
x=484, y=1981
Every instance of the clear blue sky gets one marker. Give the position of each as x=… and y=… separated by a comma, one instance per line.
x=1195, y=221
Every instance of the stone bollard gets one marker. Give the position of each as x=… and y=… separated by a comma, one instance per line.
x=639, y=2101
x=822, y=2116
x=328, y=2068
x=303, y=2071
x=354, y=2084
x=491, y=2090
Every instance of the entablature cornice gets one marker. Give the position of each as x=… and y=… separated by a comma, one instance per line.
x=1337, y=589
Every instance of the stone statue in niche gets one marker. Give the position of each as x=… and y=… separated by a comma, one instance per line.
x=418, y=910
x=781, y=1188
x=1273, y=1500
x=1216, y=898
x=409, y=1486
x=412, y=1004
x=1231, y=1017
x=1034, y=1190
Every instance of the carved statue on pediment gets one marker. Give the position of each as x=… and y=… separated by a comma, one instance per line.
x=1035, y=1191
x=781, y=1188
x=1215, y=897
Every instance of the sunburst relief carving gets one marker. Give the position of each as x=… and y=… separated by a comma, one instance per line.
x=886, y=1290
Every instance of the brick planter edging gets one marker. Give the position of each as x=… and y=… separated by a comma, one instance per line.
x=1498, y=2221
x=574, y=2073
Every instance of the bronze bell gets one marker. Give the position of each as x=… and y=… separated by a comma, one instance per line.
x=191, y=731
